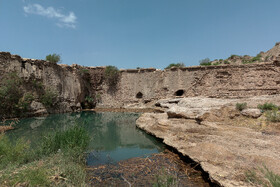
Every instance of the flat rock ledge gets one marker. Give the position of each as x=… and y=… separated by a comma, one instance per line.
x=223, y=150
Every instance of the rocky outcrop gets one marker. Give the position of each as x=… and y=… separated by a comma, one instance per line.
x=70, y=84
x=225, y=143
x=254, y=113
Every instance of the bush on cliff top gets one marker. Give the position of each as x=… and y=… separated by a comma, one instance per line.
x=53, y=58
x=257, y=58
x=177, y=65
x=205, y=62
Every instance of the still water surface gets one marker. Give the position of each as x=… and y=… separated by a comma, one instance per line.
x=114, y=136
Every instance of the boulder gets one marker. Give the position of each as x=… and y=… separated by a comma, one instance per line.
x=251, y=112
x=181, y=112
x=38, y=108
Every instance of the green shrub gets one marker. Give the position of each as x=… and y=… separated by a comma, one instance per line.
x=89, y=99
x=25, y=101
x=37, y=84
x=252, y=177
x=176, y=65
x=263, y=177
x=273, y=115
x=83, y=71
x=273, y=178
x=226, y=62
x=253, y=60
x=53, y=58
x=60, y=154
x=73, y=139
x=111, y=76
x=205, y=62
x=267, y=106
x=48, y=98
x=13, y=101
x=240, y=106
x=33, y=176
x=164, y=179
x=10, y=153
x=89, y=102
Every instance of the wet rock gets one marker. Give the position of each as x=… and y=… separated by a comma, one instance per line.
x=38, y=108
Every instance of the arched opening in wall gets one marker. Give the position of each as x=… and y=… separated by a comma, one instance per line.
x=139, y=95
x=179, y=92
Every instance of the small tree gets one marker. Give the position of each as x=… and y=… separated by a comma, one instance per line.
x=178, y=65
x=205, y=62
x=53, y=58
x=48, y=98
x=111, y=76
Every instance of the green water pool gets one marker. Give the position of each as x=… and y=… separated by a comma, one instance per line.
x=114, y=136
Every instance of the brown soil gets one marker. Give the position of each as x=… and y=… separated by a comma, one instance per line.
x=144, y=171
x=5, y=128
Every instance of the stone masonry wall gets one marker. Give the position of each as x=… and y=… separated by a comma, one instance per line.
x=229, y=81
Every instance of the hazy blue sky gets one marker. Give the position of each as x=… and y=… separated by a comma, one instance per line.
x=138, y=33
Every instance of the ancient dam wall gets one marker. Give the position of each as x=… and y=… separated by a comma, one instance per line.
x=136, y=87
x=229, y=81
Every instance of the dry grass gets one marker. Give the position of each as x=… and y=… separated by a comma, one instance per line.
x=5, y=128
x=145, y=172
x=10, y=126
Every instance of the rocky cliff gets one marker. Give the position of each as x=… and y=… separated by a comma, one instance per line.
x=66, y=87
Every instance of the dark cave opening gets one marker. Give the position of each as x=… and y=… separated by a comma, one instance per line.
x=139, y=95
x=179, y=92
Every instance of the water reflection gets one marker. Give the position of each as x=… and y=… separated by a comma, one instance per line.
x=114, y=136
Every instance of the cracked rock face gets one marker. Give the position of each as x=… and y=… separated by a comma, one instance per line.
x=221, y=142
x=70, y=83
